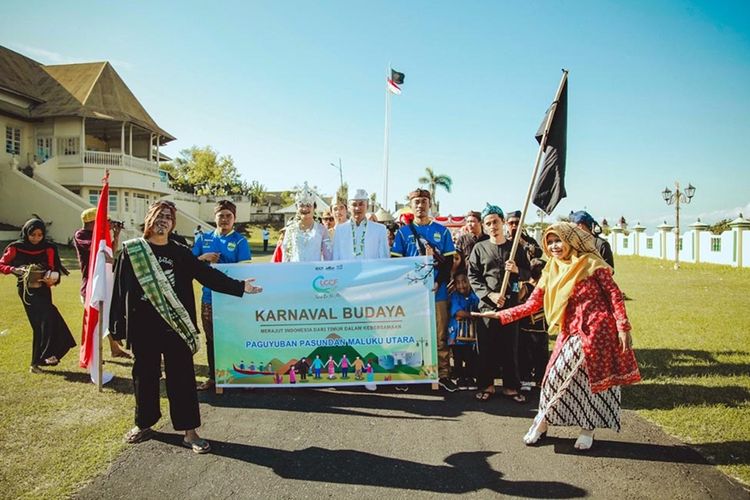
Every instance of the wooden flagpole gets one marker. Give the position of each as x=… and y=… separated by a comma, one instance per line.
x=100, y=361
x=542, y=147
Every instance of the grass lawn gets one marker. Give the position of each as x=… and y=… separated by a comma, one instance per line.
x=691, y=329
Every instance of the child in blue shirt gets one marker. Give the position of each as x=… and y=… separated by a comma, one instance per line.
x=462, y=302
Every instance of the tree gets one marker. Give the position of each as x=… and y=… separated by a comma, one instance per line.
x=257, y=193
x=719, y=227
x=202, y=171
x=373, y=202
x=433, y=181
x=342, y=193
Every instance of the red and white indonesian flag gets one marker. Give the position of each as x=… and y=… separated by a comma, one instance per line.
x=99, y=291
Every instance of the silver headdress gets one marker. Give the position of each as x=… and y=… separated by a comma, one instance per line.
x=305, y=195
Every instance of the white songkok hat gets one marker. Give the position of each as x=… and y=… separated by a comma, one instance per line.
x=305, y=195
x=359, y=194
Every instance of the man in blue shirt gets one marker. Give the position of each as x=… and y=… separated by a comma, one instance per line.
x=426, y=237
x=222, y=246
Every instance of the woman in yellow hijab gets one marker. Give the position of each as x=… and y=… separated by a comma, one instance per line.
x=592, y=356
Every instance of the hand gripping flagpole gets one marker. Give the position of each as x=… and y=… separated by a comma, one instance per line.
x=542, y=147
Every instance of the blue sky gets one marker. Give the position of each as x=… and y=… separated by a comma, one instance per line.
x=658, y=91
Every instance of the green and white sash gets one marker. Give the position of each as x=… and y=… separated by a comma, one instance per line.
x=159, y=292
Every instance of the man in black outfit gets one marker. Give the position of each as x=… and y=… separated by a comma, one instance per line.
x=497, y=344
x=153, y=329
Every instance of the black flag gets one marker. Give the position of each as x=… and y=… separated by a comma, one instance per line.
x=550, y=185
x=396, y=77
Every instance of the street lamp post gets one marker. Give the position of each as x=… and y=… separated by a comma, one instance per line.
x=422, y=342
x=678, y=197
x=341, y=172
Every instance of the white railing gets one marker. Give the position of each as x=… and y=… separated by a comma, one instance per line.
x=119, y=160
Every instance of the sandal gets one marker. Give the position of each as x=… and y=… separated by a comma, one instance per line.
x=206, y=386
x=484, y=396
x=517, y=397
x=199, y=445
x=51, y=361
x=584, y=442
x=136, y=435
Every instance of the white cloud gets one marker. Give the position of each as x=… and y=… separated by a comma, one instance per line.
x=729, y=213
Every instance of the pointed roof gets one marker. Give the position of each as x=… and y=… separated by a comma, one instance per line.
x=92, y=90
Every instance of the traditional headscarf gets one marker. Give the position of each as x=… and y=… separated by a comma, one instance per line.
x=154, y=210
x=30, y=226
x=23, y=243
x=492, y=209
x=560, y=276
x=475, y=214
x=225, y=205
x=420, y=193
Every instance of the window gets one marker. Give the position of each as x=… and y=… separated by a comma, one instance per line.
x=68, y=146
x=43, y=149
x=680, y=243
x=94, y=199
x=649, y=243
x=112, y=201
x=13, y=140
x=625, y=243
x=716, y=243
x=126, y=200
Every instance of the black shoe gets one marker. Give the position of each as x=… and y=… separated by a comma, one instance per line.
x=463, y=384
x=447, y=384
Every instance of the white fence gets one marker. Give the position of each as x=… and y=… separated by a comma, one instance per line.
x=731, y=248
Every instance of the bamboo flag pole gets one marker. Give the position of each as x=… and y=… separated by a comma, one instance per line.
x=542, y=147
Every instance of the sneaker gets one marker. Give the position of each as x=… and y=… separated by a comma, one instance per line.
x=402, y=388
x=463, y=384
x=471, y=384
x=447, y=384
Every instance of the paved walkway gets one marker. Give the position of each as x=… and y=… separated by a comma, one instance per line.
x=421, y=444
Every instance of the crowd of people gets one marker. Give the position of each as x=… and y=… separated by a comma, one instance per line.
x=483, y=332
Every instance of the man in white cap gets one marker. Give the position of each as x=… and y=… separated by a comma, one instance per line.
x=360, y=238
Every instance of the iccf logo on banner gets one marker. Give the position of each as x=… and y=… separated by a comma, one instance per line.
x=321, y=284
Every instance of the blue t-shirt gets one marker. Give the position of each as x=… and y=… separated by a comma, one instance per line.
x=460, y=303
x=231, y=247
x=404, y=245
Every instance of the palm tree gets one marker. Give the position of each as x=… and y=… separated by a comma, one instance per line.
x=433, y=181
x=257, y=192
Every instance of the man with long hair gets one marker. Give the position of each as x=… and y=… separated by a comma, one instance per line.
x=153, y=307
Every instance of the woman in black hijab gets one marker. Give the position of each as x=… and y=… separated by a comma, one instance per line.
x=36, y=263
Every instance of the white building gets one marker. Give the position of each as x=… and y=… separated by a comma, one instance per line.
x=64, y=126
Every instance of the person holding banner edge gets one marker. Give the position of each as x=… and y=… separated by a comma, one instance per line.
x=153, y=308
x=222, y=246
x=423, y=236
